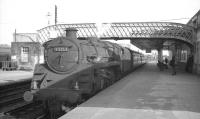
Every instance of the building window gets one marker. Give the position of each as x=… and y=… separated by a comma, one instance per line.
x=24, y=54
x=25, y=49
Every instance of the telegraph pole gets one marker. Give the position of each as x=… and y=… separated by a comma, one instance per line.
x=15, y=38
x=55, y=14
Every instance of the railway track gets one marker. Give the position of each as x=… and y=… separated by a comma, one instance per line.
x=11, y=95
x=13, y=106
x=32, y=110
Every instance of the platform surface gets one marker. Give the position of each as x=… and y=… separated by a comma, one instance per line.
x=147, y=93
x=14, y=76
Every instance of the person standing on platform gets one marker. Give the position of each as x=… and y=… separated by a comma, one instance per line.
x=166, y=63
x=189, y=64
x=173, y=65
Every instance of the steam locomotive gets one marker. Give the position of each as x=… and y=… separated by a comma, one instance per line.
x=78, y=68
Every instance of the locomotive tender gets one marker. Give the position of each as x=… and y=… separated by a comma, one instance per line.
x=75, y=68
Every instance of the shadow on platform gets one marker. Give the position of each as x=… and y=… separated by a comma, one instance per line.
x=150, y=89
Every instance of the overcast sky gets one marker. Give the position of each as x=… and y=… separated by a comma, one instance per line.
x=30, y=15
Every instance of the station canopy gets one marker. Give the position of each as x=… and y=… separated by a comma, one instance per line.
x=144, y=35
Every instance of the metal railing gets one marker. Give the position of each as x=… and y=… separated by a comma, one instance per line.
x=9, y=65
x=127, y=30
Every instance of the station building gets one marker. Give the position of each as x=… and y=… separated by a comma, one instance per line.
x=26, y=50
x=195, y=23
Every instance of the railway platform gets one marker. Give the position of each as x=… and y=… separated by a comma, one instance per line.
x=13, y=84
x=146, y=93
x=9, y=77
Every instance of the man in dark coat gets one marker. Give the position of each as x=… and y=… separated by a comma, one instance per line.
x=173, y=65
x=166, y=63
x=189, y=64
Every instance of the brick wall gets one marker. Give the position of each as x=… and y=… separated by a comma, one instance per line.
x=32, y=57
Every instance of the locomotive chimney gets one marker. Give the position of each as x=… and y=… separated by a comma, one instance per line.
x=71, y=33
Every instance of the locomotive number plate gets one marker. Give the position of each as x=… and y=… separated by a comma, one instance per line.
x=60, y=49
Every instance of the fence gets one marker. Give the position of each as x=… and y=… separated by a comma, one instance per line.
x=9, y=65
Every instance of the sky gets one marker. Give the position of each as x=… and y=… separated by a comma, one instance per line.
x=28, y=16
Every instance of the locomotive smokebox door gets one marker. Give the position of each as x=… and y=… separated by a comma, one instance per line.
x=62, y=54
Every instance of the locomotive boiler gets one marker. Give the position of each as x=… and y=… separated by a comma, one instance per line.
x=75, y=69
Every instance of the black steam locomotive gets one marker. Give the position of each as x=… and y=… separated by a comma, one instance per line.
x=77, y=68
